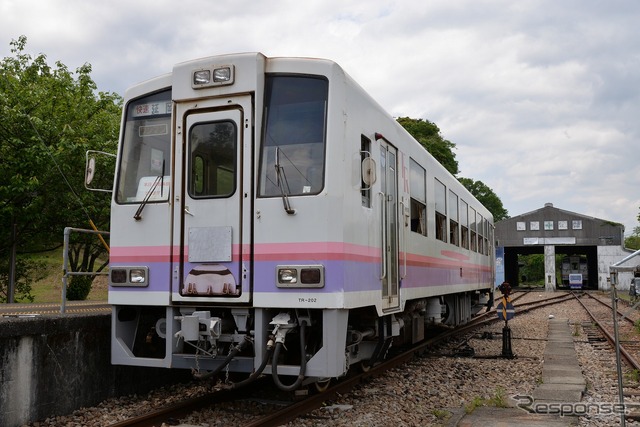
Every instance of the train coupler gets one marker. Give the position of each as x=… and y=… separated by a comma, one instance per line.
x=283, y=324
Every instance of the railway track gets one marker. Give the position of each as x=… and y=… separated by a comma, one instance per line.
x=522, y=307
x=284, y=412
x=601, y=314
x=52, y=308
x=600, y=335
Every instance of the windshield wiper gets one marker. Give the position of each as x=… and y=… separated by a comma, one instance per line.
x=282, y=181
x=159, y=180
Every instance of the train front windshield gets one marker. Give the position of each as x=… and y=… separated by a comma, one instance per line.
x=145, y=166
x=293, y=148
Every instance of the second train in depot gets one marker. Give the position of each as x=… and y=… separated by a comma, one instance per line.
x=269, y=217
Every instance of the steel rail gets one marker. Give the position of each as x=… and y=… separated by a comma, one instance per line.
x=608, y=306
x=629, y=358
x=179, y=409
x=521, y=308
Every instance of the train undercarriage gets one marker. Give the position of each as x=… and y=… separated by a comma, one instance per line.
x=295, y=346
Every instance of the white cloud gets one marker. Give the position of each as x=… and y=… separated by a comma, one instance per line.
x=542, y=98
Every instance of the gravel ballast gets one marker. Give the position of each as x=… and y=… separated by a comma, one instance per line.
x=429, y=390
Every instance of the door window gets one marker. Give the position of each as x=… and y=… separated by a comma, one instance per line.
x=212, y=148
x=390, y=225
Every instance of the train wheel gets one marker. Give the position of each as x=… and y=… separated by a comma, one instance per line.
x=364, y=366
x=322, y=385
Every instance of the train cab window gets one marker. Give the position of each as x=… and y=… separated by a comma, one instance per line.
x=441, y=210
x=418, y=198
x=464, y=224
x=454, y=237
x=145, y=165
x=212, y=147
x=292, y=155
x=474, y=238
x=365, y=153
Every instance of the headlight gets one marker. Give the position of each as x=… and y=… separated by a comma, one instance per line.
x=202, y=77
x=212, y=76
x=137, y=275
x=300, y=276
x=287, y=276
x=118, y=275
x=222, y=74
x=310, y=276
x=129, y=276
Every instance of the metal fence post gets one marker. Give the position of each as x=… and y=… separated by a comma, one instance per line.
x=65, y=262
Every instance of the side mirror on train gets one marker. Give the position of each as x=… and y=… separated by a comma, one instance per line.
x=368, y=171
x=99, y=171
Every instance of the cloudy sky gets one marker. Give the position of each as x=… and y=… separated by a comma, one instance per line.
x=541, y=98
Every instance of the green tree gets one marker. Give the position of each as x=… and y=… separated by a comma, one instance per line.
x=428, y=135
x=487, y=197
x=50, y=117
x=531, y=269
x=633, y=241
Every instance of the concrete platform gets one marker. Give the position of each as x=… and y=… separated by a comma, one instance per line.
x=504, y=417
x=562, y=386
x=562, y=379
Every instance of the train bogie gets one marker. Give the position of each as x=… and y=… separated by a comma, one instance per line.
x=270, y=218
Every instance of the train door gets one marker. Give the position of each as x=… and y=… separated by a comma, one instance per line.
x=390, y=225
x=211, y=211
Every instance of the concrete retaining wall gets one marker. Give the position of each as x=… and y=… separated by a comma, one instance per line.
x=54, y=365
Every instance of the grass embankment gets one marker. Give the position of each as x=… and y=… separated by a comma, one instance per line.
x=49, y=289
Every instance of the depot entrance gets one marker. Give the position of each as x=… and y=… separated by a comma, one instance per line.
x=555, y=248
x=525, y=266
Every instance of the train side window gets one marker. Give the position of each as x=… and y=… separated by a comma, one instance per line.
x=485, y=238
x=472, y=218
x=481, y=239
x=464, y=224
x=454, y=237
x=441, y=211
x=418, y=190
x=365, y=153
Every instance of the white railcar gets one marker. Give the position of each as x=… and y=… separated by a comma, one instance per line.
x=268, y=201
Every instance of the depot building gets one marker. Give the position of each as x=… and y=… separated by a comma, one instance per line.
x=580, y=251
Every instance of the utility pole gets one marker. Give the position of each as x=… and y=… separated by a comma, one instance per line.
x=614, y=301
